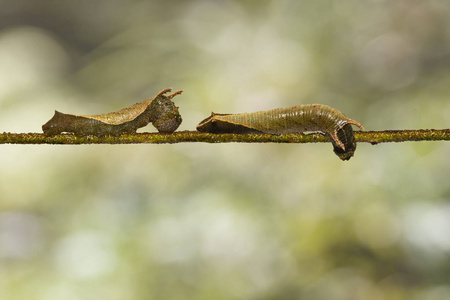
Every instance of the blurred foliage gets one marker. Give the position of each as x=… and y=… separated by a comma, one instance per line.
x=197, y=221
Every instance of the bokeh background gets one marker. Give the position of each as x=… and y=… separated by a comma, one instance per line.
x=225, y=221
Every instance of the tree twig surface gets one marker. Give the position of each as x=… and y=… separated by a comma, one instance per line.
x=373, y=137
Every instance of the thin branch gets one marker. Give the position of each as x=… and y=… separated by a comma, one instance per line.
x=373, y=137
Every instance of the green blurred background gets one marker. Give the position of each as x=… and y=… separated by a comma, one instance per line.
x=225, y=221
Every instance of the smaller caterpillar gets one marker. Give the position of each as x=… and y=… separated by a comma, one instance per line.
x=160, y=111
x=300, y=118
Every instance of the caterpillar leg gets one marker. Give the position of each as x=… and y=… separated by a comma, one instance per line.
x=353, y=122
x=164, y=91
x=174, y=94
x=337, y=140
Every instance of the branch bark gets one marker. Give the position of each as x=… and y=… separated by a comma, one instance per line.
x=373, y=137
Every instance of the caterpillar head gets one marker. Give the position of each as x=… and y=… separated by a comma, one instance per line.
x=163, y=113
x=346, y=137
x=343, y=140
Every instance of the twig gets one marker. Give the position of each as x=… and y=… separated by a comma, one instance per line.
x=373, y=137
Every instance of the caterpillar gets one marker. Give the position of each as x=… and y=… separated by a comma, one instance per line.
x=300, y=118
x=160, y=111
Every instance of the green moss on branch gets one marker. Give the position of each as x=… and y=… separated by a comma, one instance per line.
x=373, y=137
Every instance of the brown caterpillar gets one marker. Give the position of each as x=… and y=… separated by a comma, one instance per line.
x=160, y=110
x=300, y=118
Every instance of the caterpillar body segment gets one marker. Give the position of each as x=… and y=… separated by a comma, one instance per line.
x=300, y=118
x=160, y=111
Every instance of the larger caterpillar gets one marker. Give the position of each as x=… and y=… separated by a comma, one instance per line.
x=160, y=110
x=300, y=118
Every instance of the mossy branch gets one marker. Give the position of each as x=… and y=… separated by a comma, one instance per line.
x=373, y=137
